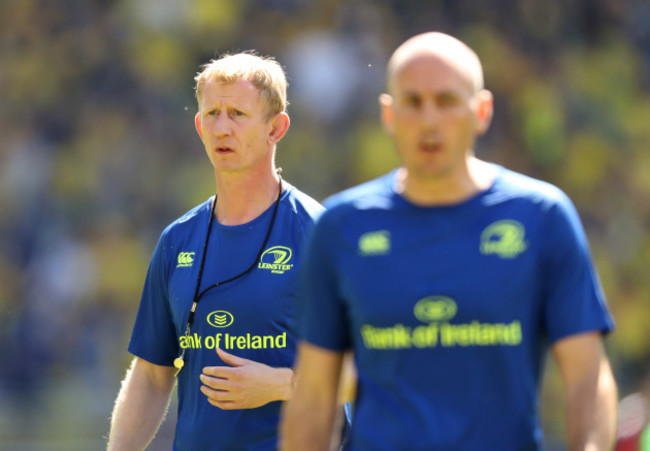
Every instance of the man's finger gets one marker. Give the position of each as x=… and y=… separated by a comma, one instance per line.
x=223, y=405
x=230, y=359
x=216, y=383
x=217, y=395
x=221, y=372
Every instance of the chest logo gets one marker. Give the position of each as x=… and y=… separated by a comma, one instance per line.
x=220, y=318
x=375, y=243
x=503, y=238
x=185, y=259
x=276, y=259
x=435, y=308
x=442, y=328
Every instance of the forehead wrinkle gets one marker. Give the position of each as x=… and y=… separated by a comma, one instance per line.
x=237, y=98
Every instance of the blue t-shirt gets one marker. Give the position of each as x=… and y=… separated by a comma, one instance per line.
x=252, y=317
x=449, y=310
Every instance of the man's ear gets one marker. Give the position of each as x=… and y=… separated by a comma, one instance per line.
x=484, y=111
x=279, y=126
x=197, y=124
x=386, y=103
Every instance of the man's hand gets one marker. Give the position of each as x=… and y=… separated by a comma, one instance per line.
x=244, y=384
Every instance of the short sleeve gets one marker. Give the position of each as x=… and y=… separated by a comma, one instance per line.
x=574, y=301
x=154, y=336
x=322, y=312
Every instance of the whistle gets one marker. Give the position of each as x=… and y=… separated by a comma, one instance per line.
x=178, y=364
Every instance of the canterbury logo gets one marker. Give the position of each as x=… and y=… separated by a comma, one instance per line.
x=276, y=259
x=375, y=243
x=185, y=259
x=220, y=318
x=504, y=238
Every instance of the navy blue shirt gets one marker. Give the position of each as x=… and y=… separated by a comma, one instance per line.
x=449, y=310
x=251, y=317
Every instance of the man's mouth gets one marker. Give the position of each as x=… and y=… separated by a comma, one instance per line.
x=431, y=146
x=224, y=150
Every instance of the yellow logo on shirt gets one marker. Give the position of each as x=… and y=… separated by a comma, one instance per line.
x=276, y=259
x=374, y=243
x=185, y=259
x=435, y=308
x=233, y=342
x=504, y=238
x=220, y=318
x=436, y=312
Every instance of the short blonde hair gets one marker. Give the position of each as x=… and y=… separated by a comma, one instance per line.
x=263, y=72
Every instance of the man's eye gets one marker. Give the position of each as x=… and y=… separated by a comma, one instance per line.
x=448, y=100
x=213, y=113
x=413, y=102
x=238, y=113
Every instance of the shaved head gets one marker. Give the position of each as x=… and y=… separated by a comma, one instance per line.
x=447, y=48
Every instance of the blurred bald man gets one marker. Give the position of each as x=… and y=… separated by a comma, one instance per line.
x=449, y=278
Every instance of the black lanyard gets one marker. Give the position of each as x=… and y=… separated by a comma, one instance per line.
x=179, y=361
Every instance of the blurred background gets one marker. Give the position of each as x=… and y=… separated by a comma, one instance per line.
x=98, y=153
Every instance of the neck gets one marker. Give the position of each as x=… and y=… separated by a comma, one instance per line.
x=243, y=197
x=447, y=189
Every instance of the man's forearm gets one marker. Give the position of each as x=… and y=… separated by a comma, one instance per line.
x=139, y=410
x=306, y=428
x=308, y=418
x=591, y=419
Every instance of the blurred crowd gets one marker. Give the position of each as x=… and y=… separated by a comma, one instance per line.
x=98, y=153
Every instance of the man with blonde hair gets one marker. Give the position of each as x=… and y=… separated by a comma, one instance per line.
x=217, y=307
x=449, y=278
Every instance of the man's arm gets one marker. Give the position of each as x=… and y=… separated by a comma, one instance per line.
x=308, y=418
x=140, y=405
x=348, y=382
x=590, y=392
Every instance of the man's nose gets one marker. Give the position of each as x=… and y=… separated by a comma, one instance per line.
x=430, y=114
x=221, y=125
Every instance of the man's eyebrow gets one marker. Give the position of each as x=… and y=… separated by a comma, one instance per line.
x=449, y=94
x=445, y=93
x=409, y=95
